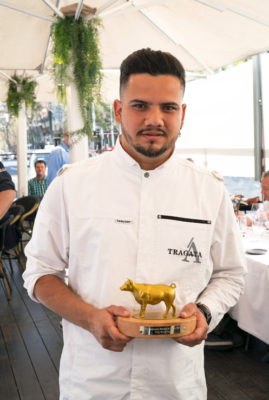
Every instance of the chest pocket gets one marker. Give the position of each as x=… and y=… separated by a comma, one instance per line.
x=182, y=252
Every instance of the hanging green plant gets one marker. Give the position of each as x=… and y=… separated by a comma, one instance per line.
x=23, y=90
x=76, y=58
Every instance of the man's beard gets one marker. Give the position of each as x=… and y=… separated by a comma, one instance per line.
x=149, y=151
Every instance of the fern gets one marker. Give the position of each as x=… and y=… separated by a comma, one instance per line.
x=76, y=58
x=24, y=90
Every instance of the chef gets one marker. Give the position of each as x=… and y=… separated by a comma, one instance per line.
x=143, y=213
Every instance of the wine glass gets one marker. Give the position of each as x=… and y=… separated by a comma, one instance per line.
x=242, y=223
x=255, y=207
x=259, y=223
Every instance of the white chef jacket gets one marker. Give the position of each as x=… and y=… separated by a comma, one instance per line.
x=264, y=206
x=107, y=220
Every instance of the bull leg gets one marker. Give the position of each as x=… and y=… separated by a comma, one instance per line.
x=167, y=310
x=143, y=309
x=174, y=309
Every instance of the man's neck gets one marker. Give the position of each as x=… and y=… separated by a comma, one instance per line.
x=40, y=178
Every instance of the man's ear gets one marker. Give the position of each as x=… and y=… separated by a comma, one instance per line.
x=117, y=110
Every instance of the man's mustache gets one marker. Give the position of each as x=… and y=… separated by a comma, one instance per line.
x=142, y=131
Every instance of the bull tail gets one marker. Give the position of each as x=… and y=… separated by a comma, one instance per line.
x=173, y=285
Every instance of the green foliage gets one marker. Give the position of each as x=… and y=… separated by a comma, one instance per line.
x=24, y=90
x=76, y=58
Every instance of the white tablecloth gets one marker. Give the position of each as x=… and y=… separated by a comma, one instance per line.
x=252, y=310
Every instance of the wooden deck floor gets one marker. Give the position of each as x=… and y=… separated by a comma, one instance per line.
x=31, y=345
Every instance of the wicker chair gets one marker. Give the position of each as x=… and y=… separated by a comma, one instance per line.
x=3, y=273
x=13, y=253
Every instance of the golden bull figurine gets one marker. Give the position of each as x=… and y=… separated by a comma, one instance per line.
x=152, y=294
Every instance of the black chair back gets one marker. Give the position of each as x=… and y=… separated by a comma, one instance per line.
x=28, y=202
x=3, y=227
x=17, y=211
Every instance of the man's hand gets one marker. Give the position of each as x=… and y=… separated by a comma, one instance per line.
x=200, y=332
x=102, y=324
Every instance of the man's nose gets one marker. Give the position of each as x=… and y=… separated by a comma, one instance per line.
x=154, y=117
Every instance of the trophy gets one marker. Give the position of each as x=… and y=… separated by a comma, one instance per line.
x=154, y=324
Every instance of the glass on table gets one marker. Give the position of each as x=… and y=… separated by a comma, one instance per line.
x=242, y=223
x=255, y=207
x=259, y=222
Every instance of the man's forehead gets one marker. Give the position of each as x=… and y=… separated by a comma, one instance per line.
x=148, y=85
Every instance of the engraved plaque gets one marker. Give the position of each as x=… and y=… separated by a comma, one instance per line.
x=161, y=330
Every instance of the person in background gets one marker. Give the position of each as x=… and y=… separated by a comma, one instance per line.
x=264, y=207
x=57, y=158
x=37, y=186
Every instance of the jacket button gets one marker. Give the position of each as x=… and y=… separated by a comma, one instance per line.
x=146, y=174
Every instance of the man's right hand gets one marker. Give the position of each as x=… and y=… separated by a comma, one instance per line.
x=102, y=324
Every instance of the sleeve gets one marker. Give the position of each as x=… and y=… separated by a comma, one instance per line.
x=48, y=251
x=227, y=282
x=5, y=180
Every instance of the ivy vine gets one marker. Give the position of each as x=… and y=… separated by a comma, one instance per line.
x=23, y=90
x=76, y=58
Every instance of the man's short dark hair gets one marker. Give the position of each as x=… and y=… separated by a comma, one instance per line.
x=40, y=161
x=147, y=61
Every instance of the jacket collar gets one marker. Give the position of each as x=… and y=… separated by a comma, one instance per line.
x=120, y=154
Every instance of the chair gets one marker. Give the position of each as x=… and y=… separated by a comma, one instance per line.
x=3, y=273
x=30, y=204
x=17, y=211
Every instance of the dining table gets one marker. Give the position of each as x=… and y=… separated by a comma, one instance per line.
x=251, y=311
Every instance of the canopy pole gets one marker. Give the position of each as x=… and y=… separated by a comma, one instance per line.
x=78, y=151
x=22, y=152
x=258, y=119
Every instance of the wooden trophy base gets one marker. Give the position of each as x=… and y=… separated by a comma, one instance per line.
x=153, y=325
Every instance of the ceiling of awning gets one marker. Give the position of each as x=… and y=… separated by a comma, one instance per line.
x=202, y=36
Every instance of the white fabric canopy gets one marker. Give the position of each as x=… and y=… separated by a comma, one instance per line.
x=202, y=34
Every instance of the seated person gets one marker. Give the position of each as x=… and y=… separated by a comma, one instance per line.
x=37, y=186
x=264, y=207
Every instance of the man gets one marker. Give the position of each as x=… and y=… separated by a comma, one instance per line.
x=38, y=186
x=131, y=213
x=58, y=157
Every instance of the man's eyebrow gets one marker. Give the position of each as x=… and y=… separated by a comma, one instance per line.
x=169, y=103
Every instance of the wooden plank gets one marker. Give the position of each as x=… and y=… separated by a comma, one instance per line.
x=8, y=386
x=43, y=365
x=212, y=393
x=239, y=376
x=52, y=341
x=222, y=385
x=45, y=370
x=24, y=373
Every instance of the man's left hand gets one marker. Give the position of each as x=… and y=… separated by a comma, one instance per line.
x=200, y=332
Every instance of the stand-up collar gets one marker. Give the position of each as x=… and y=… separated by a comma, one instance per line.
x=121, y=154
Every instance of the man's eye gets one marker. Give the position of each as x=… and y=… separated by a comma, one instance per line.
x=139, y=105
x=169, y=108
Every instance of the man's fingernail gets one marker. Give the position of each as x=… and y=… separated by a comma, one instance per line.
x=183, y=314
x=126, y=313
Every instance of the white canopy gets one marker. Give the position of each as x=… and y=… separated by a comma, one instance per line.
x=202, y=34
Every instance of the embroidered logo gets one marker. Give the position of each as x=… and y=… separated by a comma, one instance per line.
x=122, y=221
x=190, y=252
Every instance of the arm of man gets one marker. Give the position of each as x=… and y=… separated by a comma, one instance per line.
x=227, y=280
x=44, y=275
x=6, y=199
x=7, y=191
